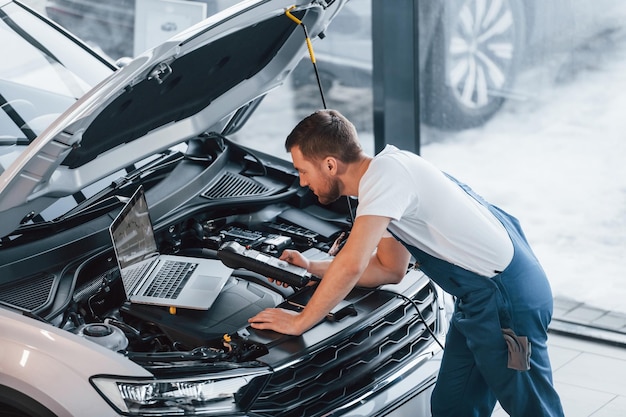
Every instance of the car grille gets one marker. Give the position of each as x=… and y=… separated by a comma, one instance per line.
x=29, y=294
x=350, y=368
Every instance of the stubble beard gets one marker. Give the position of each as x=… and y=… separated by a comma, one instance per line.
x=333, y=194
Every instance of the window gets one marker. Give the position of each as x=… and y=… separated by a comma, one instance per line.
x=533, y=122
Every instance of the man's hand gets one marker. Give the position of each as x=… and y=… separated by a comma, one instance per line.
x=293, y=257
x=277, y=319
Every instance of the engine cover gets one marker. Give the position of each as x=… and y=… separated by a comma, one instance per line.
x=238, y=301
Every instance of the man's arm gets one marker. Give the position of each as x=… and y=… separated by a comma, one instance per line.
x=388, y=264
x=342, y=274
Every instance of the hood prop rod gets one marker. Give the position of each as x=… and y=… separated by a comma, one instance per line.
x=309, y=46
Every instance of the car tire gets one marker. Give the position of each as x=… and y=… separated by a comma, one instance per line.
x=468, y=73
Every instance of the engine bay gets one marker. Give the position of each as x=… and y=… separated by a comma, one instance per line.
x=100, y=310
x=215, y=193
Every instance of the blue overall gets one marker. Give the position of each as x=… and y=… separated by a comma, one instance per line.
x=474, y=373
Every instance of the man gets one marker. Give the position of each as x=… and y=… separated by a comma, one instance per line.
x=496, y=346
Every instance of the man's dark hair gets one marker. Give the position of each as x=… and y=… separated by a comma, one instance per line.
x=325, y=133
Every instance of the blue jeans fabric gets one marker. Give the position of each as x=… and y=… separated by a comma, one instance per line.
x=474, y=373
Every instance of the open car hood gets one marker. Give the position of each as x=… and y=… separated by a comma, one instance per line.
x=191, y=84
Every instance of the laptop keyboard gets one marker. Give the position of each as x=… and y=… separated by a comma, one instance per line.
x=133, y=274
x=170, y=279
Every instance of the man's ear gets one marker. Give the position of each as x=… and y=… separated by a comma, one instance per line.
x=330, y=164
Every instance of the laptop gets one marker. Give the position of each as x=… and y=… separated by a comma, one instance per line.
x=152, y=278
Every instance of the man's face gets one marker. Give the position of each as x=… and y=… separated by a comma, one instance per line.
x=317, y=176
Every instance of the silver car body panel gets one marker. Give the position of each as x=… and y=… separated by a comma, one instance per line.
x=43, y=362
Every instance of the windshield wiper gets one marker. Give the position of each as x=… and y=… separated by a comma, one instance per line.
x=18, y=120
x=56, y=64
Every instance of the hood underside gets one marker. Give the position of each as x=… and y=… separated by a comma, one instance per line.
x=184, y=87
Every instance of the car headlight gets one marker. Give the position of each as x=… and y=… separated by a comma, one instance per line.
x=205, y=395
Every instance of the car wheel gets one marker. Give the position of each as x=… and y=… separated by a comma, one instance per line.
x=472, y=64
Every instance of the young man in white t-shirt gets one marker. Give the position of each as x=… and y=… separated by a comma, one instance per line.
x=496, y=346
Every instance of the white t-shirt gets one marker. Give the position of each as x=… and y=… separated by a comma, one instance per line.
x=432, y=213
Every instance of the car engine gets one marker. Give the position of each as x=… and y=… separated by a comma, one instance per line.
x=101, y=313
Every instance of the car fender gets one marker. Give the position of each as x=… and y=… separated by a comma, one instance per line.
x=48, y=361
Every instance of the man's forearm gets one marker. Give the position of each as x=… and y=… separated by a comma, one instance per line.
x=319, y=268
x=373, y=276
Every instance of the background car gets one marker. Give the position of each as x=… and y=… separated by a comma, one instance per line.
x=80, y=137
x=471, y=52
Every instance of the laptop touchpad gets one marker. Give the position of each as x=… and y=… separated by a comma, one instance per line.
x=206, y=282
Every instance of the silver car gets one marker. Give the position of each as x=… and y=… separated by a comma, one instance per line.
x=80, y=136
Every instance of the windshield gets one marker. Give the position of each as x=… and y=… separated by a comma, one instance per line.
x=45, y=74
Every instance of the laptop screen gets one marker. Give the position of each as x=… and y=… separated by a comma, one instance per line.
x=131, y=231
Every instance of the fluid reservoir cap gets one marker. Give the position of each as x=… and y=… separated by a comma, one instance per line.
x=97, y=330
x=105, y=335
